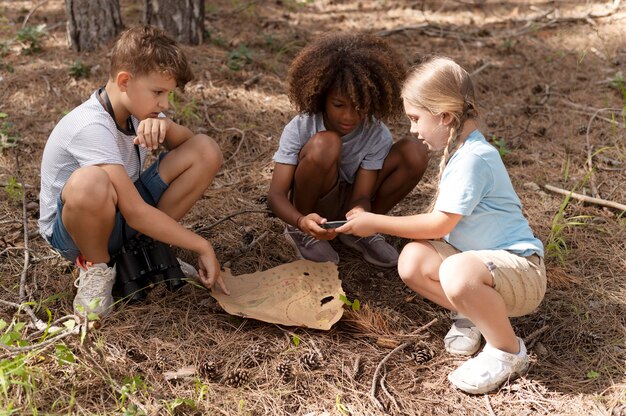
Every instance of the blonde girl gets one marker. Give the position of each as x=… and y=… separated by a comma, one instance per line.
x=474, y=252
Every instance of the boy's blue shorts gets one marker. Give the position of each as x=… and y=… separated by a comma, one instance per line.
x=151, y=187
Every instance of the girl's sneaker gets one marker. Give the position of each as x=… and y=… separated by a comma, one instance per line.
x=463, y=338
x=490, y=369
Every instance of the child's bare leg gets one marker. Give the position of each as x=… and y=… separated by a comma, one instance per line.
x=468, y=285
x=317, y=170
x=418, y=267
x=89, y=202
x=403, y=168
x=189, y=170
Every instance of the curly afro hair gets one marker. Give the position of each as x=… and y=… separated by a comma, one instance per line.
x=361, y=67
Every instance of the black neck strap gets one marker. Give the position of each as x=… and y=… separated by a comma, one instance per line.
x=102, y=92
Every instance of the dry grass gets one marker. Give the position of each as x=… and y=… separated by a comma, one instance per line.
x=539, y=93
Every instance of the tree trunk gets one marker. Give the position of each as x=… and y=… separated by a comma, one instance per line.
x=92, y=23
x=181, y=19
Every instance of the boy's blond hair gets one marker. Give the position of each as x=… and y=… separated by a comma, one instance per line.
x=142, y=50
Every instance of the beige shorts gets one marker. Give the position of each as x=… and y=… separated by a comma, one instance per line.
x=521, y=281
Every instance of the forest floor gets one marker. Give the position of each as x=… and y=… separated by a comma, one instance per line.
x=550, y=80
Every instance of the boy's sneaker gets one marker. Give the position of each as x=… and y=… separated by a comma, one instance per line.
x=463, y=338
x=309, y=248
x=374, y=248
x=95, y=284
x=489, y=369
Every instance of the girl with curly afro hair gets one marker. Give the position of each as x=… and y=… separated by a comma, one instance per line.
x=337, y=157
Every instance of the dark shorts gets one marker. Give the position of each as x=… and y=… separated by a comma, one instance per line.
x=151, y=187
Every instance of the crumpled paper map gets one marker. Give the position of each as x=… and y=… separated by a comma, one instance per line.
x=301, y=293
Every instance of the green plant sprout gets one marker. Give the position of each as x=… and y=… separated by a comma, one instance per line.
x=79, y=70
x=30, y=37
x=238, y=58
x=556, y=245
x=501, y=146
x=13, y=189
x=355, y=305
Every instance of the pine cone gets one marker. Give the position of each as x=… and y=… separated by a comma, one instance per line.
x=422, y=355
x=208, y=369
x=285, y=370
x=254, y=356
x=136, y=354
x=161, y=362
x=236, y=378
x=310, y=361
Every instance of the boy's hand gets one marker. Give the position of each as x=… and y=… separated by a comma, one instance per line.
x=310, y=224
x=209, y=271
x=151, y=132
x=361, y=224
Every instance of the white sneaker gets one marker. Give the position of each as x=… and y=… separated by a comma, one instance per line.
x=489, y=369
x=463, y=338
x=95, y=284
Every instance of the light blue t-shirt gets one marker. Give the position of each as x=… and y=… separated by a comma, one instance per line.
x=365, y=147
x=475, y=184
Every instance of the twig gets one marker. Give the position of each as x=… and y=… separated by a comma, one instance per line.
x=389, y=395
x=480, y=69
x=585, y=198
x=377, y=374
x=229, y=216
x=488, y=404
x=356, y=367
x=241, y=132
x=253, y=80
x=531, y=338
x=22, y=292
x=239, y=252
x=30, y=13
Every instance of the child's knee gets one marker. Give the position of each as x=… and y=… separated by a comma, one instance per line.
x=88, y=187
x=460, y=274
x=411, y=264
x=323, y=149
x=208, y=150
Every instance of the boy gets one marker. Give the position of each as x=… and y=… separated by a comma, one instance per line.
x=93, y=191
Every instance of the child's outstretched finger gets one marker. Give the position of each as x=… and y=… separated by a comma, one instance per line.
x=222, y=284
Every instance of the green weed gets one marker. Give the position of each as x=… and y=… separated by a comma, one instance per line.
x=13, y=189
x=30, y=37
x=7, y=138
x=556, y=245
x=79, y=70
x=355, y=304
x=501, y=146
x=238, y=58
x=183, y=112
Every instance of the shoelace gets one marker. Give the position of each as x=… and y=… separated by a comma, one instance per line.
x=307, y=240
x=93, y=282
x=370, y=239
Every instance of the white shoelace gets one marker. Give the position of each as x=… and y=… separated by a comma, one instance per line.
x=94, y=282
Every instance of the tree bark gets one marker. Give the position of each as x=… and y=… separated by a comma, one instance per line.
x=91, y=24
x=181, y=19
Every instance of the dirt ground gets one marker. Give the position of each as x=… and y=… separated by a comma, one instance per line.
x=550, y=77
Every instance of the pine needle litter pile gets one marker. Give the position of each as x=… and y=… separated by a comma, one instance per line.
x=551, y=80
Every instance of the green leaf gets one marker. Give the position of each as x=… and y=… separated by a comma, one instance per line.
x=592, y=375
x=3, y=115
x=3, y=324
x=356, y=305
x=92, y=316
x=295, y=339
x=64, y=355
x=345, y=300
x=70, y=324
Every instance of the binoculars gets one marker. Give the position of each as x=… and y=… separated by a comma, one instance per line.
x=143, y=262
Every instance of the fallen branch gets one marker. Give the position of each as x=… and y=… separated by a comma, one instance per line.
x=531, y=338
x=241, y=132
x=377, y=374
x=229, y=216
x=389, y=395
x=33, y=10
x=240, y=252
x=585, y=198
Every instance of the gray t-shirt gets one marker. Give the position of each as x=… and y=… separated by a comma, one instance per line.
x=365, y=147
x=86, y=136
